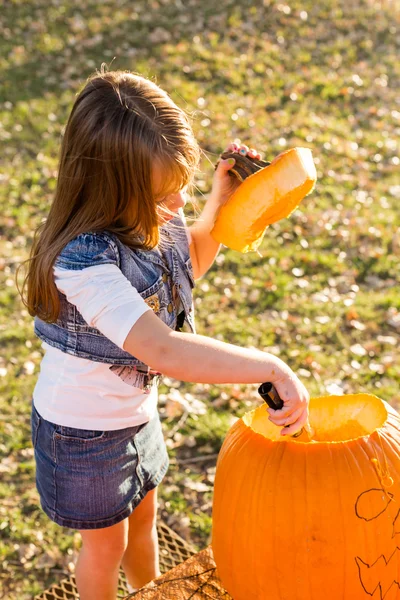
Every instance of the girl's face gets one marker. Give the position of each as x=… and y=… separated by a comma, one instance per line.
x=168, y=206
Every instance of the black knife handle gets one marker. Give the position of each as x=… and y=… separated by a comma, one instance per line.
x=270, y=395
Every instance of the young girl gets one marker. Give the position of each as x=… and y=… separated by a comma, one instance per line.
x=110, y=283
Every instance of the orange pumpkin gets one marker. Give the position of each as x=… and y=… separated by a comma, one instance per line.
x=263, y=198
x=305, y=521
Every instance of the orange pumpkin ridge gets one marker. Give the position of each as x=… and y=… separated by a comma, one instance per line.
x=311, y=519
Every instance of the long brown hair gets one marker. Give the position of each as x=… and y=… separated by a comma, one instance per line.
x=120, y=126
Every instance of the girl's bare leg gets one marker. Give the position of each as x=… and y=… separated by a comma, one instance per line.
x=99, y=561
x=140, y=561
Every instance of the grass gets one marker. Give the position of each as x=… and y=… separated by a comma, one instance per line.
x=324, y=294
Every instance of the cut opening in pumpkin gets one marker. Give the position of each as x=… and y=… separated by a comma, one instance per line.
x=332, y=419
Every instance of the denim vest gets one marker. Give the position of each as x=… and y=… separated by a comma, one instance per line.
x=162, y=276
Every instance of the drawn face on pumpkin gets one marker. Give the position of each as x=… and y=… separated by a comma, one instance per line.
x=380, y=574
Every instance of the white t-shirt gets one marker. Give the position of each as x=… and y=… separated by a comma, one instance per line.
x=85, y=394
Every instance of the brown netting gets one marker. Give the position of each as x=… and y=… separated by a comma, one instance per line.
x=196, y=579
x=173, y=551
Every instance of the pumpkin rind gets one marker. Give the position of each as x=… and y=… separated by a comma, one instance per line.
x=264, y=198
x=306, y=521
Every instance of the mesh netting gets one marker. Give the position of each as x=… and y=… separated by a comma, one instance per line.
x=196, y=579
x=173, y=551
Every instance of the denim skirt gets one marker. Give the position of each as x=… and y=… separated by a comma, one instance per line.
x=93, y=479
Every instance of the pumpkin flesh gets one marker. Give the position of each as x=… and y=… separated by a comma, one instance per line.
x=264, y=198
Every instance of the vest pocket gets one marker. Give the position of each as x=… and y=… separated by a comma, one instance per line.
x=158, y=297
x=154, y=296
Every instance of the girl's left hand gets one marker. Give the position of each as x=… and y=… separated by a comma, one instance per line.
x=224, y=185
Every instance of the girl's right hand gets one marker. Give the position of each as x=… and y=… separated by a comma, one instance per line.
x=294, y=414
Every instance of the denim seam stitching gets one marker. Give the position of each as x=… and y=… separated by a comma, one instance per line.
x=77, y=524
x=54, y=448
x=137, y=469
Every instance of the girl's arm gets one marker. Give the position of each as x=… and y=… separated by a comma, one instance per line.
x=203, y=248
x=201, y=359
